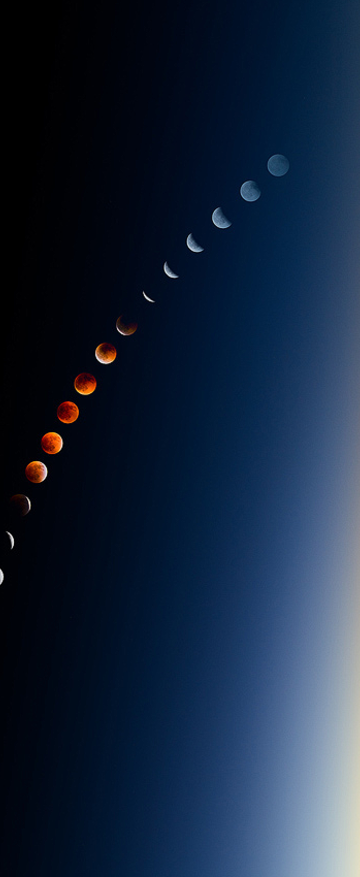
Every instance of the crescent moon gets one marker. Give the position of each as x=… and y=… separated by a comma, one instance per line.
x=148, y=299
x=11, y=538
x=169, y=272
x=219, y=219
x=193, y=246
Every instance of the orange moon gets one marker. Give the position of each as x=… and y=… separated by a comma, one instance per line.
x=85, y=384
x=51, y=442
x=105, y=353
x=68, y=412
x=20, y=504
x=36, y=472
x=126, y=325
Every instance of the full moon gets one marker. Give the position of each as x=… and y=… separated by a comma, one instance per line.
x=68, y=412
x=105, y=353
x=20, y=504
x=36, y=472
x=126, y=325
x=85, y=383
x=278, y=165
x=51, y=442
x=250, y=191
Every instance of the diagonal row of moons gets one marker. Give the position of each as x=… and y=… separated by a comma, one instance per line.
x=85, y=383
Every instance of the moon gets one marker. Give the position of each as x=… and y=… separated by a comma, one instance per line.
x=250, y=191
x=51, y=442
x=126, y=325
x=193, y=246
x=169, y=272
x=36, y=472
x=219, y=219
x=278, y=165
x=1, y=576
x=7, y=541
x=105, y=353
x=85, y=384
x=11, y=538
x=68, y=412
x=148, y=299
x=20, y=504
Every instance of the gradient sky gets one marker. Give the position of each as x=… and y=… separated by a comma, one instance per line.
x=180, y=613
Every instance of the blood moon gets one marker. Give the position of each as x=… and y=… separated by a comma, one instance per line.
x=51, y=443
x=126, y=325
x=68, y=412
x=85, y=383
x=105, y=353
x=36, y=472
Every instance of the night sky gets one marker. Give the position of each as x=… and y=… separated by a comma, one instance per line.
x=179, y=649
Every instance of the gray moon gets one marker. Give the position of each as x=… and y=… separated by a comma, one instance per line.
x=250, y=191
x=169, y=272
x=219, y=219
x=192, y=245
x=278, y=165
x=10, y=538
x=1, y=576
x=152, y=300
x=7, y=541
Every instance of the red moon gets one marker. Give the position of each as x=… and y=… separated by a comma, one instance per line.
x=68, y=412
x=36, y=472
x=85, y=383
x=126, y=325
x=20, y=504
x=51, y=442
x=105, y=353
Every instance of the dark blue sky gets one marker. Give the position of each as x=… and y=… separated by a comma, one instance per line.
x=167, y=594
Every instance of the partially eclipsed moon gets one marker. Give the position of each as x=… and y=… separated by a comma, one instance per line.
x=148, y=299
x=11, y=538
x=36, y=472
x=278, y=165
x=85, y=383
x=105, y=353
x=169, y=272
x=250, y=191
x=126, y=325
x=193, y=246
x=219, y=219
x=1, y=576
x=20, y=504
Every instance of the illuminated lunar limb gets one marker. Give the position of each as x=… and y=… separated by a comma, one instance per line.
x=126, y=324
x=105, y=353
x=193, y=245
x=85, y=384
x=20, y=505
x=219, y=219
x=169, y=273
x=36, y=471
x=250, y=191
